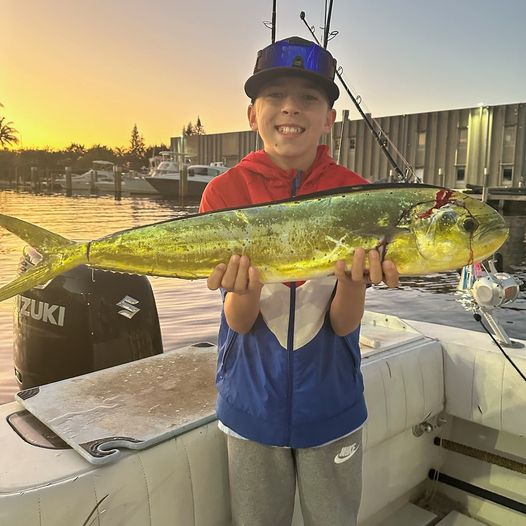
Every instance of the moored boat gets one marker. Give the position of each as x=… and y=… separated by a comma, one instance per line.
x=101, y=178
x=198, y=176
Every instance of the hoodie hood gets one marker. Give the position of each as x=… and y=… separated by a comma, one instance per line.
x=261, y=165
x=256, y=179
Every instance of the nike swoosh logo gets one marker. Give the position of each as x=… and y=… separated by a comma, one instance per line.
x=345, y=454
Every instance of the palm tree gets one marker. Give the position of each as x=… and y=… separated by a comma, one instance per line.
x=7, y=132
x=77, y=149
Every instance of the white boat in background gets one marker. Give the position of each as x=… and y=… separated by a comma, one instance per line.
x=163, y=167
x=100, y=170
x=198, y=176
x=446, y=432
x=101, y=178
x=162, y=179
x=164, y=164
x=166, y=169
x=132, y=183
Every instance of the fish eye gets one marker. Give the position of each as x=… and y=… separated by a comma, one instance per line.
x=449, y=217
x=470, y=224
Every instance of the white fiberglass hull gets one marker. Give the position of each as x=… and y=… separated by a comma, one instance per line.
x=420, y=379
x=169, y=187
x=106, y=184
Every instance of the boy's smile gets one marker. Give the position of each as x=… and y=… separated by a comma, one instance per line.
x=291, y=114
x=290, y=129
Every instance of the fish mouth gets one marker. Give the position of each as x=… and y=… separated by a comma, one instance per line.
x=289, y=129
x=489, y=238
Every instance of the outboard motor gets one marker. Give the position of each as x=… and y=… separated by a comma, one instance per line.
x=82, y=321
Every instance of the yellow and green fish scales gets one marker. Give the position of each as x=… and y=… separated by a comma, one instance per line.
x=303, y=238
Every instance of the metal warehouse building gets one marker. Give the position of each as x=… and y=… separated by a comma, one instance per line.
x=451, y=147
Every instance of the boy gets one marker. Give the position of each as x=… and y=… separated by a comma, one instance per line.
x=290, y=388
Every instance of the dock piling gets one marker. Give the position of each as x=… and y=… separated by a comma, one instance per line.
x=117, y=180
x=93, y=180
x=68, y=181
x=34, y=179
x=51, y=183
x=183, y=182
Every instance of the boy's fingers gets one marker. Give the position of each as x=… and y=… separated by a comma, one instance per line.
x=238, y=275
x=339, y=270
x=375, y=267
x=214, y=280
x=253, y=279
x=241, y=280
x=229, y=278
x=357, y=268
x=391, y=275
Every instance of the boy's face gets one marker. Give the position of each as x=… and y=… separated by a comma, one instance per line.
x=291, y=114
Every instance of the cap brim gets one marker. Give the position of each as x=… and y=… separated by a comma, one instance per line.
x=254, y=84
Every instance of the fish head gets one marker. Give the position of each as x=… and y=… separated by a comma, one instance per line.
x=457, y=232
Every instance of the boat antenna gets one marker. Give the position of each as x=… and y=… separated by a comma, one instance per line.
x=379, y=135
x=272, y=25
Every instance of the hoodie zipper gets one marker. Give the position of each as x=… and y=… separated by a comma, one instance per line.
x=292, y=319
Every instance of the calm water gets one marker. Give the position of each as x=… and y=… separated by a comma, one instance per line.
x=188, y=311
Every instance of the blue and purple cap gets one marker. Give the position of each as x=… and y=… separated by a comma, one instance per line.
x=294, y=56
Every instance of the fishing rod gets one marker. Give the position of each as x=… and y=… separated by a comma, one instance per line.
x=272, y=24
x=379, y=135
x=478, y=318
x=328, y=16
x=274, y=21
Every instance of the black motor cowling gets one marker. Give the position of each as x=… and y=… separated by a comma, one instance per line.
x=82, y=321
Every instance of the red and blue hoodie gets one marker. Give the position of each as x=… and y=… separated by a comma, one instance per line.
x=290, y=381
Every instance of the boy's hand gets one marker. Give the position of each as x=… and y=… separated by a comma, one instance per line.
x=378, y=271
x=238, y=276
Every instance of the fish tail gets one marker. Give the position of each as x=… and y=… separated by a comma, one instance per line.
x=59, y=254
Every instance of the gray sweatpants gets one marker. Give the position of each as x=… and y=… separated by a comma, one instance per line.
x=263, y=482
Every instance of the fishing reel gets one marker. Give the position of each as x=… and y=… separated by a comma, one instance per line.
x=488, y=286
x=484, y=288
x=495, y=290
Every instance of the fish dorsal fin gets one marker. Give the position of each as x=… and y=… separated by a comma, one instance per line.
x=40, y=238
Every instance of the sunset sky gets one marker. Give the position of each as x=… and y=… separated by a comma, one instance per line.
x=86, y=72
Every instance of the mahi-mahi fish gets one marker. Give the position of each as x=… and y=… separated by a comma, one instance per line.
x=421, y=228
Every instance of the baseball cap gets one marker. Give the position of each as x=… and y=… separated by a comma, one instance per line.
x=294, y=56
